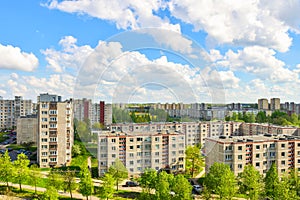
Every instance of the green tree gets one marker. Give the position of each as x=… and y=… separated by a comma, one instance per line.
x=50, y=194
x=21, y=170
x=294, y=119
x=221, y=180
x=34, y=176
x=271, y=180
x=55, y=179
x=98, y=126
x=162, y=186
x=251, y=182
x=294, y=181
x=148, y=181
x=193, y=159
x=283, y=190
x=261, y=117
x=76, y=150
x=107, y=190
x=6, y=169
x=69, y=181
x=86, y=186
x=118, y=171
x=182, y=188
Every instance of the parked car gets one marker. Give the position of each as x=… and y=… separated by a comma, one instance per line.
x=197, y=188
x=131, y=184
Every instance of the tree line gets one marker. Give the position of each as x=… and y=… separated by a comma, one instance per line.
x=277, y=117
x=221, y=181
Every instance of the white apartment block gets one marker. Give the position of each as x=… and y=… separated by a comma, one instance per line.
x=55, y=133
x=141, y=150
x=195, y=132
x=27, y=129
x=11, y=110
x=258, y=150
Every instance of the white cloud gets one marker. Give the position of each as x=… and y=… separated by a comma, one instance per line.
x=258, y=61
x=235, y=22
x=13, y=58
x=71, y=55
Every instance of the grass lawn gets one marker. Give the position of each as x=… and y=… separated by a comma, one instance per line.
x=18, y=146
x=26, y=194
x=2, y=136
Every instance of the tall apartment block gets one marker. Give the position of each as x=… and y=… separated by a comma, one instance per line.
x=55, y=131
x=275, y=104
x=259, y=150
x=11, y=110
x=138, y=151
x=95, y=112
x=263, y=104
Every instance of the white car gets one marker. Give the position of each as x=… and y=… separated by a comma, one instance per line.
x=197, y=188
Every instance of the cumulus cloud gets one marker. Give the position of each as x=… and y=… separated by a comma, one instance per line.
x=238, y=22
x=70, y=56
x=13, y=58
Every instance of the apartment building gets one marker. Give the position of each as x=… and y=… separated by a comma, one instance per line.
x=141, y=150
x=195, y=132
x=27, y=129
x=11, y=110
x=263, y=104
x=256, y=129
x=258, y=150
x=55, y=131
x=95, y=112
x=275, y=104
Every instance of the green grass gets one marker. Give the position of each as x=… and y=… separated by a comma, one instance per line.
x=25, y=193
x=18, y=146
x=2, y=136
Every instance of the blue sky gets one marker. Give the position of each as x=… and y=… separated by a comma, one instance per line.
x=151, y=51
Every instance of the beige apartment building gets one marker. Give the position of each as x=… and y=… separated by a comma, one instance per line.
x=256, y=129
x=259, y=150
x=275, y=104
x=263, y=104
x=55, y=131
x=141, y=150
x=27, y=129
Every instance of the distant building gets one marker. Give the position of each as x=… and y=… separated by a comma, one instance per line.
x=275, y=104
x=55, y=131
x=27, y=129
x=95, y=112
x=259, y=150
x=11, y=110
x=263, y=104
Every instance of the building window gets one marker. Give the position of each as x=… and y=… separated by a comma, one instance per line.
x=113, y=155
x=173, y=145
x=44, y=160
x=131, y=162
x=272, y=154
x=240, y=148
x=228, y=157
x=131, y=155
x=240, y=157
x=282, y=154
x=44, y=147
x=52, y=159
x=282, y=145
x=53, y=125
x=257, y=147
x=44, y=126
x=44, y=139
x=257, y=155
x=53, y=153
x=257, y=164
x=44, y=153
x=157, y=146
x=156, y=153
x=53, y=119
x=240, y=166
x=156, y=139
x=228, y=148
x=272, y=145
x=265, y=146
x=282, y=162
x=131, y=147
x=44, y=112
x=139, y=139
x=113, y=140
x=282, y=170
x=131, y=139
x=53, y=139
x=113, y=148
x=138, y=146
